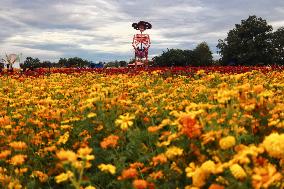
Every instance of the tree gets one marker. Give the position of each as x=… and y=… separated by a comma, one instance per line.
x=249, y=43
x=31, y=63
x=73, y=62
x=278, y=46
x=202, y=56
x=172, y=57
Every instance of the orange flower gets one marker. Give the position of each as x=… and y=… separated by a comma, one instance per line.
x=216, y=186
x=159, y=159
x=109, y=142
x=190, y=127
x=18, y=145
x=139, y=184
x=153, y=129
x=157, y=175
x=128, y=173
x=41, y=176
x=4, y=154
x=18, y=159
x=136, y=165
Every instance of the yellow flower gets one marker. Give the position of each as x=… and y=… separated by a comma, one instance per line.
x=125, y=121
x=237, y=171
x=227, y=142
x=208, y=166
x=64, y=138
x=84, y=152
x=66, y=155
x=173, y=151
x=274, y=145
x=107, y=168
x=199, y=178
x=63, y=177
x=90, y=115
x=90, y=187
x=265, y=176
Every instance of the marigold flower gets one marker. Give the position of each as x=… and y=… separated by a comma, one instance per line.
x=140, y=184
x=175, y=167
x=18, y=145
x=190, y=127
x=18, y=159
x=64, y=138
x=159, y=159
x=40, y=175
x=263, y=177
x=90, y=187
x=208, y=166
x=157, y=175
x=216, y=186
x=136, y=165
x=83, y=152
x=173, y=152
x=274, y=145
x=109, y=142
x=128, y=173
x=21, y=171
x=4, y=154
x=237, y=171
x=227, y=142
x=66, y=155
x=90, y=115
x=64, y=177
x=153, y=129
x=107, y=168
x=125, y=121
x=199, y=178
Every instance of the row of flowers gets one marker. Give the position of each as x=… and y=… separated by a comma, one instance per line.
x=189, y=71
x=144, y=130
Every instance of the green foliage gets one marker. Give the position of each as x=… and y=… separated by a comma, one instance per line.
x=200, y=56
x=73, y=62
x=278, y=46
x=31, y=63
x=252, y=43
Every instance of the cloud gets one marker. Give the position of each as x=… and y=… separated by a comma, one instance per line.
x=101, y=29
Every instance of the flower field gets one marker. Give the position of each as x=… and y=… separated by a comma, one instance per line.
x=173, y=128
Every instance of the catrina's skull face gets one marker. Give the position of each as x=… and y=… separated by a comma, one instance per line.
x=142, y=28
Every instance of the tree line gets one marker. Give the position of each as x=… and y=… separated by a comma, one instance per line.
x=33, y=63
x=252, y=42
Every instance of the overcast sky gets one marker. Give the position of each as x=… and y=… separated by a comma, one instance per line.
x=100, y=30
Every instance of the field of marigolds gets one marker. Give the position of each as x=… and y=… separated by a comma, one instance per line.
x=143, y=129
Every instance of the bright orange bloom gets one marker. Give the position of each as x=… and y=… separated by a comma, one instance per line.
x=128, y=173
x=216, y=186
x=139, y=184
x=18, y=159
x=190, y=127
x=18, y=145
x=159, y=159
x=136, y=165
x=109, y=142
x=157, y=175
x=4, y=154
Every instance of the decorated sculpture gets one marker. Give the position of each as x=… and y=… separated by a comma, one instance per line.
x=141, y=43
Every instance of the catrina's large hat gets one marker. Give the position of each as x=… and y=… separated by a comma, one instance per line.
x=146, y=25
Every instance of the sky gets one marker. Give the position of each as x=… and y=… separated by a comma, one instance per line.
x=100, y=30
